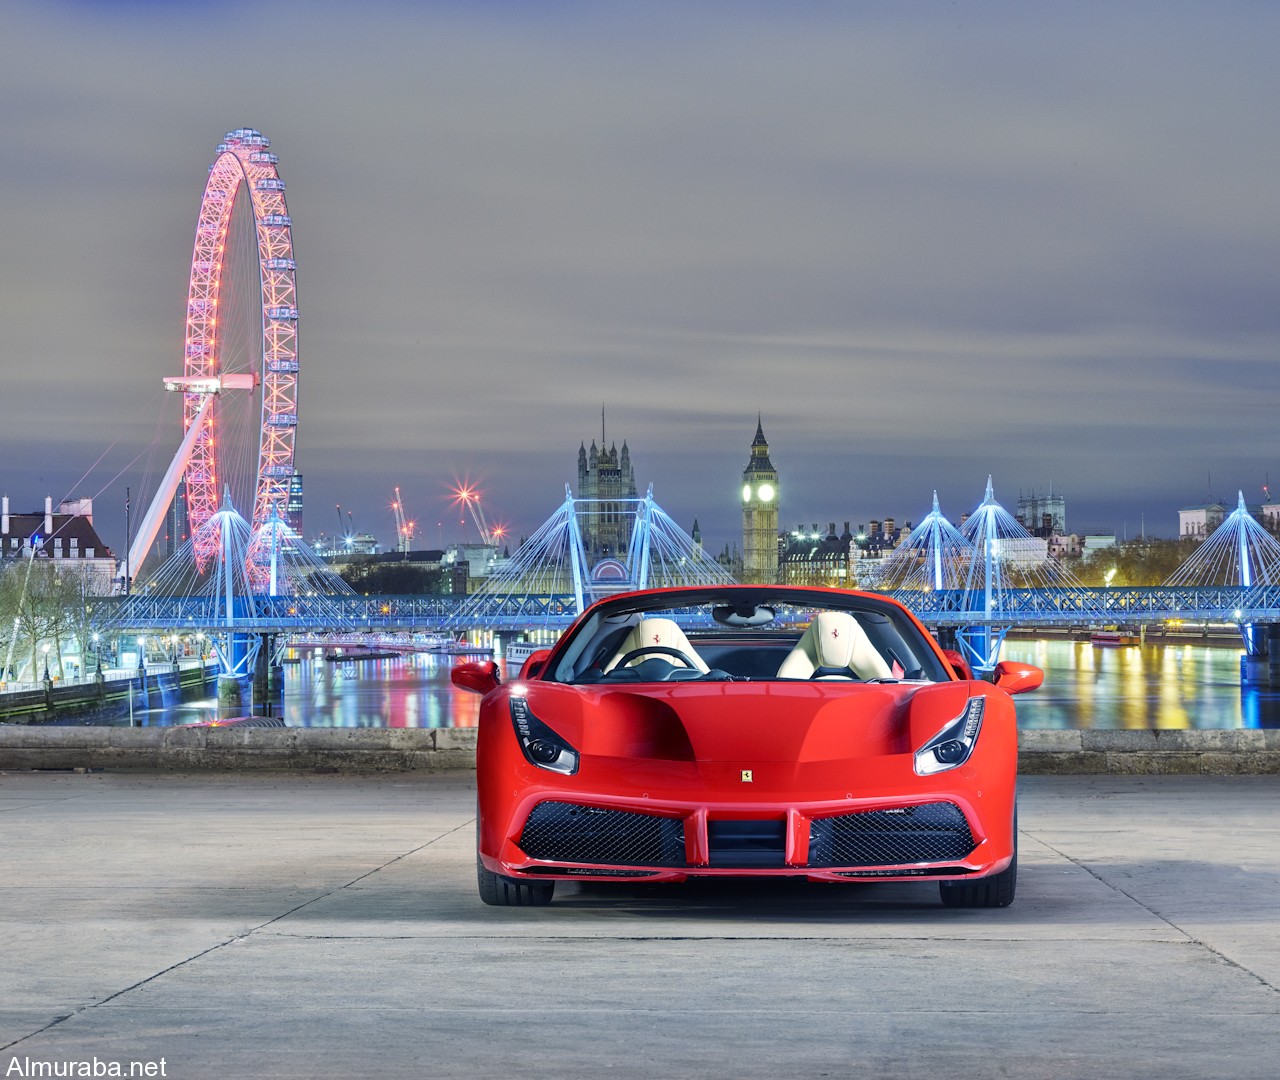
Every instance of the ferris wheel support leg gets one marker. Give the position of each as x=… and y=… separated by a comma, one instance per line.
x=154, y=517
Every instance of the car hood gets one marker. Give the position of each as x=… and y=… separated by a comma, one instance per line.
x=774, y=721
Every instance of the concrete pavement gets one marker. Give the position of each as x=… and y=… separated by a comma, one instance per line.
x=255, y=925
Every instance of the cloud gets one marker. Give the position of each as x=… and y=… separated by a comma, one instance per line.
x=927, y=244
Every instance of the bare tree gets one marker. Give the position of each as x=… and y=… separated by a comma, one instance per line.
x=44, y=602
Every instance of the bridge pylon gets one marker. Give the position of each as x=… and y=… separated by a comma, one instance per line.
x=984, y=571
x=1240, y=552
x=554, y=576
x=236, y=596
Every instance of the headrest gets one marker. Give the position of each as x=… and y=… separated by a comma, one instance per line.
x=834, y=643
x=835, y=633
x=657, y=632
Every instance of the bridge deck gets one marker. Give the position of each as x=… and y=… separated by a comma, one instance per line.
x=1011, y=607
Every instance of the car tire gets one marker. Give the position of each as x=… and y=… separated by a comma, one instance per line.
x=994, y=891
x=499, y=891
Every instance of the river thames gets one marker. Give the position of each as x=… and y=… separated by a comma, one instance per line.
x=1153, y=686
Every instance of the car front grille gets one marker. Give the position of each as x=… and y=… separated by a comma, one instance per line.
x=932, y=832
x=566, y=832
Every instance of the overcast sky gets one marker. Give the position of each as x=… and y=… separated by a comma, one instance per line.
x=928, y=242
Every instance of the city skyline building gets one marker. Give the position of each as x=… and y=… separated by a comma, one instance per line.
x=814, y=557
x=176, y=529
x=608, y=476
x=1199, y=521
x=293, y=508
x=65, y=537
x=1039, y=512
x=760, y=513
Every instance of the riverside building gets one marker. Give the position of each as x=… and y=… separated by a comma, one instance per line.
x=65, y=538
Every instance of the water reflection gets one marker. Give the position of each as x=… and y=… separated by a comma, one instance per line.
x=402, y=692
x=1155, y=686
x=1139, y=688
x=408, y=691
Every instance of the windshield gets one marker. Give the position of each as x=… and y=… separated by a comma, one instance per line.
x=742, y=634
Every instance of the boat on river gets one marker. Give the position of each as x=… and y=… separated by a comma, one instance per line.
x=1115, y=637
x=340, y=656
x=517, y=652
x=462, y=647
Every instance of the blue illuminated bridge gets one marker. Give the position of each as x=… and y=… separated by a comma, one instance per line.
x=1012, y=607
x=959, y=583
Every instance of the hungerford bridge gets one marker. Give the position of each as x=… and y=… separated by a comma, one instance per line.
x=250, y=583
x=971, y=585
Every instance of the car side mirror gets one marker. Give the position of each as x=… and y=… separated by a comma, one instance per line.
x=477, y=676
x=958, y=663
x=1015, y=678
x=533, y=666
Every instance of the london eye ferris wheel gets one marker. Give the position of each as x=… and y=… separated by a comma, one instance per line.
x=240, y=375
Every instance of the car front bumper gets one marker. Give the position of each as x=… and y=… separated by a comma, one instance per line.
x=944, y=834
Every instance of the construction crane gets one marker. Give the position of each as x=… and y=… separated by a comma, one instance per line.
x=347, y=529
x=469, y=496
x=404, y=529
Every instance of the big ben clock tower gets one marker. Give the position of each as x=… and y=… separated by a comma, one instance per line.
x=760, y=514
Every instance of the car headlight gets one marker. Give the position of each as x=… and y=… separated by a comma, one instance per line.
x=954, y=743
x=541, y=746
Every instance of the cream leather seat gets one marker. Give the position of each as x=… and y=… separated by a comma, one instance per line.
x=661, y=633
x=834, y=647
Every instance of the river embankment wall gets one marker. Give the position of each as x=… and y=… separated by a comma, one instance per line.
x=94, y=701
x=179, y=749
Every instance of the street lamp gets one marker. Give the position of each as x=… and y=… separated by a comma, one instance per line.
x=46, y=663
x=97, y=655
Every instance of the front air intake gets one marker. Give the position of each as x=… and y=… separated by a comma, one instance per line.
x=932, y=832
x=566, y=832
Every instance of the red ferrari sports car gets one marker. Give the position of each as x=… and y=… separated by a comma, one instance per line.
x=747, y=731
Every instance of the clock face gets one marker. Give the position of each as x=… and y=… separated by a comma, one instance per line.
x=746, y=492
x=766, y=492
